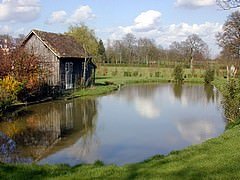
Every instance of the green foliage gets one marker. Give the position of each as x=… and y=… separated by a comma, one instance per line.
x=157, y=74
x=102, y=52
x=231, y=100
x=178, y=73
x=85, y=37
x=135, y=73
x=209, y=76
x=9, y=88
x=98, y=163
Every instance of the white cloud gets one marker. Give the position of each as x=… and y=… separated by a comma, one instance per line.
x=146, y=108
x=57, y=17
x=196, y=131
x=179, y=32
x=147, y=24
x=147, y=20
x=80, y=15
x=194, y=4
x=19, y=10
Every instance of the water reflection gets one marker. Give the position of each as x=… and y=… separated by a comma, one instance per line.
x=177, y=90
x=128, y=126
x=183, y=115
x=34, y=134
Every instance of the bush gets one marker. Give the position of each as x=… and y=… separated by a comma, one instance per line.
x=157, y=74
x=209, y=76
x=135, y=73
x=231, y=100
x=9, y=88
x=127, y=74
x=178, y=73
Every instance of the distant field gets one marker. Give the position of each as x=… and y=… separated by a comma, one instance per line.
x=155, y=74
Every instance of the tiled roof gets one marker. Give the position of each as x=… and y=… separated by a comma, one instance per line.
x=64, y=46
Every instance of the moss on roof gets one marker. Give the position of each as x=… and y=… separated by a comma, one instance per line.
x=64, y=46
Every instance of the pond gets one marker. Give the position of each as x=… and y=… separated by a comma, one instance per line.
x=127, y=126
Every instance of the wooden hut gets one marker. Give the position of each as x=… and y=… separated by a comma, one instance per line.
x=68, y=64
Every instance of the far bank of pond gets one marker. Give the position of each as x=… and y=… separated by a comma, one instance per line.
x=127, y=126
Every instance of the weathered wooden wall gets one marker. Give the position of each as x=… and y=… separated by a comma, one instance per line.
x=49, y=59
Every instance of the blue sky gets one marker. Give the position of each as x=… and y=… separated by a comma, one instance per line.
x=163, y=21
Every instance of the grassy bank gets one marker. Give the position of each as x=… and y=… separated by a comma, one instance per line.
x=96, y=90
x=216, y=158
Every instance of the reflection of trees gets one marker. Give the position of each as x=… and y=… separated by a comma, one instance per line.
x=208, y=88
x=177, y=90
x=34, y=133
x=196, y=94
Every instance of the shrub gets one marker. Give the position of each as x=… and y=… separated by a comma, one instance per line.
x=178, y=73
x=127, y=74
x=209, y=76
x=135, y=73
x=157, y=74
x=9, y=88
x=231, y=100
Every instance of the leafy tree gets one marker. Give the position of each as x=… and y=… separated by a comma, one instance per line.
x=228, y=4
x=85, y=37
x=209, y=76
x=229, y=39
x=102, y=51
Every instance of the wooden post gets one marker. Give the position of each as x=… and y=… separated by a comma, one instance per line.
x=94, y=75
x=84, y=66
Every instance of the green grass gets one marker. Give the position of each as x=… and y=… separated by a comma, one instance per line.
x=217, y=158
x=99, y=89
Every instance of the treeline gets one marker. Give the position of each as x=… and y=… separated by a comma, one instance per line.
x=131, y=50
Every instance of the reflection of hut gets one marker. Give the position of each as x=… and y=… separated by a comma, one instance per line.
x=48, y=122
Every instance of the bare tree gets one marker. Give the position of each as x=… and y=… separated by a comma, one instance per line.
x=197, y=48
x=129, y=41
x=147, y=51
x=193, y=48
x=228, y=4
x=229, y=39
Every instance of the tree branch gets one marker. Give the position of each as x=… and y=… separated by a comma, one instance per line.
x=228, y=4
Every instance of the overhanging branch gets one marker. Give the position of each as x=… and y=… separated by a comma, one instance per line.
x=228, y=4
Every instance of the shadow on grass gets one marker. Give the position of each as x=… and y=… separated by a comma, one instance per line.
x=103, y=77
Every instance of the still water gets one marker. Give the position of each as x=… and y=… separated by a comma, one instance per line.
x=130, y=125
